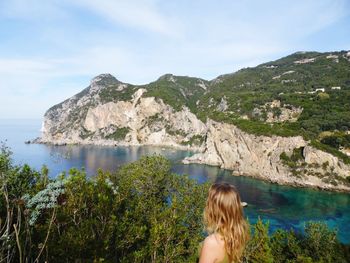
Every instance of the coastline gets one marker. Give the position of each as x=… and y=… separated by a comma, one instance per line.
x=273, y=180
x=118, y=144
x=300, y=185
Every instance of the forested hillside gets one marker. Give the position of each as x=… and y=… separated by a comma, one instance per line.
x=306, y=93
x=291, y=116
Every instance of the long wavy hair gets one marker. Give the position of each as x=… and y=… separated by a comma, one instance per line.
x=223, y=214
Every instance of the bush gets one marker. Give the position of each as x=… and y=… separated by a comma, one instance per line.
x=258, y=249
x=119, y=134
x=321, y=244
x=295, y=160
x=142, y=213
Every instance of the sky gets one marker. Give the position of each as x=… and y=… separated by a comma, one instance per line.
x=51, y=49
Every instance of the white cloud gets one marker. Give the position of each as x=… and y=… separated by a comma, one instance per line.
x=41, y=82
x=22, y=66
x=30, y=74
x=32, y=10
x=139, y=40
x=139, y=14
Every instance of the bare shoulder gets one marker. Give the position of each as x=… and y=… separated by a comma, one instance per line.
x=213, y=249
x=215, y=240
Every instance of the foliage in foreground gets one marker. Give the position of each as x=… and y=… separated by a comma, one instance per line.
x=142, y=213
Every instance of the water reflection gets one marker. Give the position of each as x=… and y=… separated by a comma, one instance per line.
x=284, y=207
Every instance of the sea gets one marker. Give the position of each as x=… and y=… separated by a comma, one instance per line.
x=283, y=207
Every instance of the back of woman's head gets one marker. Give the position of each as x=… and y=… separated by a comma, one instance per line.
x=223, y=214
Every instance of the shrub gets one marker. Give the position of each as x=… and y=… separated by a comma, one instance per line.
x=141, y=213
x=119, y=134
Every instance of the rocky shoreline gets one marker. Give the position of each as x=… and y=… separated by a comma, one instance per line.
x=39, y=140
x=143, y=120
x=312, y=182
x=300, y=184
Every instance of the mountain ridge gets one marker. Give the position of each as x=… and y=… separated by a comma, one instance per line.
x=303, y=97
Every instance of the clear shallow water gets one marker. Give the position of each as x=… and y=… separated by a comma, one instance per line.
x=283, y=206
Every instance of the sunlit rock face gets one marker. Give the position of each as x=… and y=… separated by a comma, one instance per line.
x=260, y=156
x=110, y=112
x=85, y=118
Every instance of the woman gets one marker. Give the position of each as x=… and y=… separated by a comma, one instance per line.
x=223, y=217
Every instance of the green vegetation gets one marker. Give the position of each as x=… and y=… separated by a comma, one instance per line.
x=195, y=140
x=258, y=249
x=298, y=167
x=170, y=130
x=111, y=93
x=276, y=111
x=177, y=91
x=295, y=159
x=285, y=159
x=86, y=134
x=141, y=213
x=154, y=119
x=317, y=83
x=337, y=140
x=262, y=128
x=253, y=87
x=119, y=134
x=331, y=150
x=294, y=165
x=318, y=244
x=112, y=89
x=292, y=84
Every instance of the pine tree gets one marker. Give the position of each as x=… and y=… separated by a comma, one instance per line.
x=258, y=249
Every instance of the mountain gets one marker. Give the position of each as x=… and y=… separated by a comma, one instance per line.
x=286, y=121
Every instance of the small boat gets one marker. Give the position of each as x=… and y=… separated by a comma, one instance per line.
x=244, y=204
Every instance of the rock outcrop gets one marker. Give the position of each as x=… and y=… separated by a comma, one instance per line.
x=146, y=120
x=191, y=113
x=149, y=121
x=260, y=156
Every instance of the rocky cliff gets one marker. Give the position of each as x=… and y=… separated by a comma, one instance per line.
x=262, y=157
x=85, y=119
x=219, y=120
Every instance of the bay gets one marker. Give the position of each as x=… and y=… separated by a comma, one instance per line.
x=283, y=206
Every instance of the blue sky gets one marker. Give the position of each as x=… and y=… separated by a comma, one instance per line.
x=50, y=49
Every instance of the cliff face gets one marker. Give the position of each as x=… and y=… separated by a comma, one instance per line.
x=149, y=121
x=138, y=121
x=260, y=156
x=230, y=148
x=304, y=93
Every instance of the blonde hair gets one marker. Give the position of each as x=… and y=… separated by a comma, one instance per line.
x=223, y=214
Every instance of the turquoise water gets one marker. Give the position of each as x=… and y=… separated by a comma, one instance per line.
x=283, y=206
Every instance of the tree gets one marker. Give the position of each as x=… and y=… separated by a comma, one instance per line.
x=258, y=249
x=321, y=243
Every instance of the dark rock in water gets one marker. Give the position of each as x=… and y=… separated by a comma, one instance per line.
x=36, y=140
x=269, y=210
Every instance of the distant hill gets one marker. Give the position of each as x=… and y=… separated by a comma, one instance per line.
x=319, y=83
x=304, y=95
